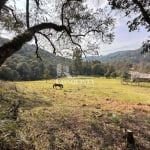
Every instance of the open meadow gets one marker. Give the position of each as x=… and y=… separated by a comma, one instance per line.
x=87, y=114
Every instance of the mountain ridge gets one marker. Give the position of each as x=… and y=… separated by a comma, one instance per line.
x=134, y=56
x=24, y=64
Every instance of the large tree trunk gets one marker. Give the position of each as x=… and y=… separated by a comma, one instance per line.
x=10, y=47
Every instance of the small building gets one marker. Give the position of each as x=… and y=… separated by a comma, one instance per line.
x=141, y=77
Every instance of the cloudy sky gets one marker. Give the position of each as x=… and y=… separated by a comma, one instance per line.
x=124, y=40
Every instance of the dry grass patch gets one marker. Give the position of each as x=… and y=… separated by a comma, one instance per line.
x=78, y=116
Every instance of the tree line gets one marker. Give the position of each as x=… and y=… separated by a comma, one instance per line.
x=23, y=66
x=34, y=70
x=27, y=70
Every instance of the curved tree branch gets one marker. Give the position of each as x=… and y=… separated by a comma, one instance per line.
x=62, y=13
x=69, y=23
x=27, y=14
x=12, y=11
x=93, y=30
x=60, y=36
x=77, y=45
x=37, y=3
x=43, y=26
x=54, y=48
x=37, y=48
x=9, y=48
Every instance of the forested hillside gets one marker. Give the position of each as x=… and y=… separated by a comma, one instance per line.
x=132, y=56
x=24, y=65
x=123, y=60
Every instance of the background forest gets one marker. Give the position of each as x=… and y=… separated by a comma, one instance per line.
x=24, y=64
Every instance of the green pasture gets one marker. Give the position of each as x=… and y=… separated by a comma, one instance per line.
x=88, y=113
x=89, y=89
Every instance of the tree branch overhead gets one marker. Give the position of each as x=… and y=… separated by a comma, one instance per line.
x=74, y=22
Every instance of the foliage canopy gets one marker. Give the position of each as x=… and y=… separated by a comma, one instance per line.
x=64, y=24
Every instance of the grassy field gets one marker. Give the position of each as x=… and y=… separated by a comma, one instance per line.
x=88, y=114
x=92, y=88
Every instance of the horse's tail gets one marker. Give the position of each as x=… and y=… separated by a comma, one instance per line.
x=62, y=86
x=53, y=86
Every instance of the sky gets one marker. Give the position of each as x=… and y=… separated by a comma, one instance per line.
x=124, y=40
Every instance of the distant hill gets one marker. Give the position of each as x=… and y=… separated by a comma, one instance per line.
x=24, y=64
x=29, y=52
x=133, y=56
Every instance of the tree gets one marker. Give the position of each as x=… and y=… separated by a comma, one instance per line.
x=7, y=73
x=24, y=70
x=110, y=70
x=146, y=46
x=71, y=23
x=77, y=62
x=98, y=68
x=139, y=14
x=137, y=8
x=86, y=68
x=52, y=71
x=46, y=74
x=125, y=75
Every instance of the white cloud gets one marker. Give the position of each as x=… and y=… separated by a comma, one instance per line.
x=96, y=4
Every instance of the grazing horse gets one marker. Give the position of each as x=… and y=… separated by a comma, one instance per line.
x=57, y=85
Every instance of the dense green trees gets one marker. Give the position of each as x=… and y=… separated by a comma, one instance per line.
x=27, y=71
x=31, y=69
x=6, y=73
x=96, y=68
x=77, y=62
x=25, y=66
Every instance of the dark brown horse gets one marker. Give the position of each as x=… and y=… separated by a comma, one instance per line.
x=57, y=85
